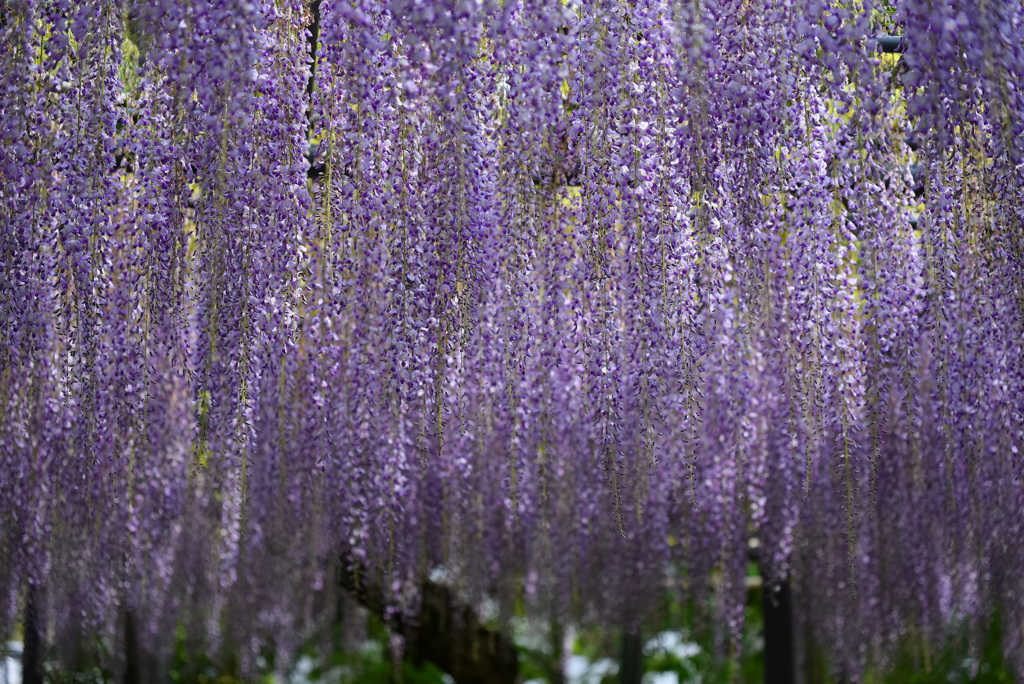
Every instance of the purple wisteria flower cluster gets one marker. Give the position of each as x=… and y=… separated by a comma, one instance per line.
x=570, y=300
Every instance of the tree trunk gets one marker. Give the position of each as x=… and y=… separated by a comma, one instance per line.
x=447, y=632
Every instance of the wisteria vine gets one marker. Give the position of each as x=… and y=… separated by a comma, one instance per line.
x=567, y=300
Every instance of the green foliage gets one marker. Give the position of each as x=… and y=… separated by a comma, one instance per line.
x=966, y=657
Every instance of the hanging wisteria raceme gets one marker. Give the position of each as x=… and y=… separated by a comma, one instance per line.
x=562, y=303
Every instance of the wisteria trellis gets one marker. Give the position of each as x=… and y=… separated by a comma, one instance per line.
x=573, y=293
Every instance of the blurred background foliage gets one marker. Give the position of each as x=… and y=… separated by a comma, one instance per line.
x=686, y=648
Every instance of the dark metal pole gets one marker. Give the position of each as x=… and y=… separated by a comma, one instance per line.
x=778, y=634
x=557, y=674
x=131, y=650
x=32, y=652
x=631, y=670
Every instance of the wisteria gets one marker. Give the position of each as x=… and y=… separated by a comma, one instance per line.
x=564, y=302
